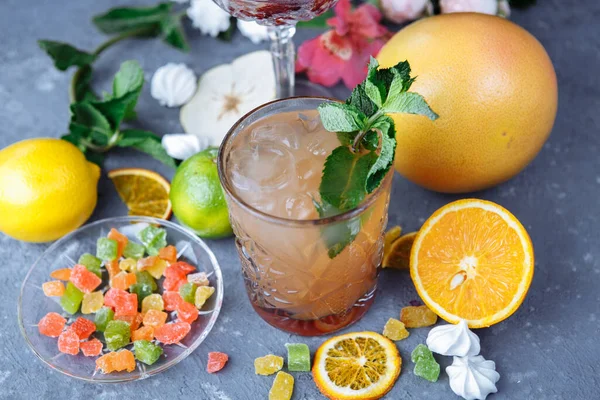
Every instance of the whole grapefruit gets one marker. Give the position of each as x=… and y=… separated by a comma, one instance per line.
x=494, y=88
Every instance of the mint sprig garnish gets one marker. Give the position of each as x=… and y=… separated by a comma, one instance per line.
x=368, y=140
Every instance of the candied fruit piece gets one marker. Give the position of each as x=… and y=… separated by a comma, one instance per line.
x=141, y=290
x=83, y=279
x=203, y=293
x=117, y=334
x=113, y=296
x=155, y=318
x=116, y=361
x=395, y=330
x=169, y=254
x=421, y=353
x=143, y=333
x=157, y=269
x=145, y=278
x=71, y=300
x=134, y=321
x=298, y=357
x=147, y=352
x=172, y=283
x=126, y=305
x=123, y=280
x=172, y=333
x=51, y=324
x=68, y=342
x=153, y=302
x=153, y=238
x=120, y=239
x=62, y=274
x=128, y=265
x=198, y=278
x=134, y=250
x=268, y=364
x=417, y=317
x=171, y=300
x=187, y=291
x=182, y=267
x=92, y=264
x=187, y=312
x=53, y=288
x=91, y=348
x=82, y=327
x=425, y=364
x=283, y=387
x=103, y=317
x=107, y=249
x=92, y=302
x=216, y=361
x=112, y=267
x=106, y=363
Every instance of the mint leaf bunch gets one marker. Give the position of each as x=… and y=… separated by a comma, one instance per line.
x=95, y=125
x=368, y=137
x=367, y=133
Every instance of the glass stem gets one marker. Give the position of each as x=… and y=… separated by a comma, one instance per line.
x=282, y=50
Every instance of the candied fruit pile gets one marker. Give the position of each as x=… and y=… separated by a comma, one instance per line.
x=131, y=309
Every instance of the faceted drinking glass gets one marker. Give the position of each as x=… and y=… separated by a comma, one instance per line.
x=303, y=274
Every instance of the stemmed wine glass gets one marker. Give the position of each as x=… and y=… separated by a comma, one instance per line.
x=280, y=16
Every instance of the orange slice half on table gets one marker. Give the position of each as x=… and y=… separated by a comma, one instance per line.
x=357, y=365
x=472, y=260
x=145, y=192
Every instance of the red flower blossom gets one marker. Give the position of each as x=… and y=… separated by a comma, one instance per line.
x=343, y=52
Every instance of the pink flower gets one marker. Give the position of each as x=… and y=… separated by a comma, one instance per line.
x=400, y=11
x=479, y=6
x=343, y=52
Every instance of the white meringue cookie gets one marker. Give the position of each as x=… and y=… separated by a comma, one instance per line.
x=173, y=85
x=453, y=340
x=182, y=146
x=253, y=31
x=473, y=378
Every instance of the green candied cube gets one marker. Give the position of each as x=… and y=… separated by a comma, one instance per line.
x=71, y=299
x=117, y=334
x=147, y=352
x=187, y=291
x=298, y=357
x=153, y=239
x=134, y=250
x=142, y=290
x=146, y=278
x=92, y=263
x=103, y=317
x=427, y=369
x=421, y=353
x=107, y=249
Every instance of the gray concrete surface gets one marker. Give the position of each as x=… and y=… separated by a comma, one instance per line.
x=548, y=350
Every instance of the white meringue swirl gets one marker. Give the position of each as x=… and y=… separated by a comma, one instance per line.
x=473, y=378
x=453, y=340
x=173, y=85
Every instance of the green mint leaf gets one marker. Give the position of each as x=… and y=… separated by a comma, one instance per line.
x=371, y=141
x=409, y=103
x=227, y=35
x=344, y=177
x=338, y=235
x=129, y=79
x=114, y=110
x=83, y=89
x=362, y=101
x=172, y=32
x=64, y=55
x=122, y=19
x=93, y=157
x=74, y=138
x=340, y=117
x=146, y=142
x=88, y=122
x=346, y=138
x=374, y=87
x=383, y=164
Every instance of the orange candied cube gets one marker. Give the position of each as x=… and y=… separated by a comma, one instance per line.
x=168, y=253
x=116, y=361
x=187, y=312
x=417, y=316
x=171, y=300
x=172, y=333
x=53, y=288
x=120, y=239
x=126, y=304
x=91, y=348
x=155, y=318
x=134, y=321
x=112, y=267
x=62, y=274
x=123, y=280
x=147, y=262
x=83, y=279
x=143, y=333
x=154, y=265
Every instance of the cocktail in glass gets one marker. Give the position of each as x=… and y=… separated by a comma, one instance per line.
x=303, y=273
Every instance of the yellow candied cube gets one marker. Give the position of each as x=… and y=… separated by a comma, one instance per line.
x=202, y=294
x=395, y=330
x=157, y=269
x=283, y=387
x=268, y=364
x=153, y=302
x=92, y=302
x=417, y=317
x=128, y=264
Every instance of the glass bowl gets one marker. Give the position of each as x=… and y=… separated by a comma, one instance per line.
x=33, y=304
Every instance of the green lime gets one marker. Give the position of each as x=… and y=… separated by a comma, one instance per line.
x=197, y=196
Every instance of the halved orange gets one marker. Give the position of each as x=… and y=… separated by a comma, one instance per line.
x=357, y=365
x=145, y=192
x=472, y=260
x=398, y=254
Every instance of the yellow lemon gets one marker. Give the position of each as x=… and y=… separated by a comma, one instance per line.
x=47, y=189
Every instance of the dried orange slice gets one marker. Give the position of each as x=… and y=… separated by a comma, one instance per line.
x=145, y=192
x=398, y=255
x=358, y=365
x=472, y=260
